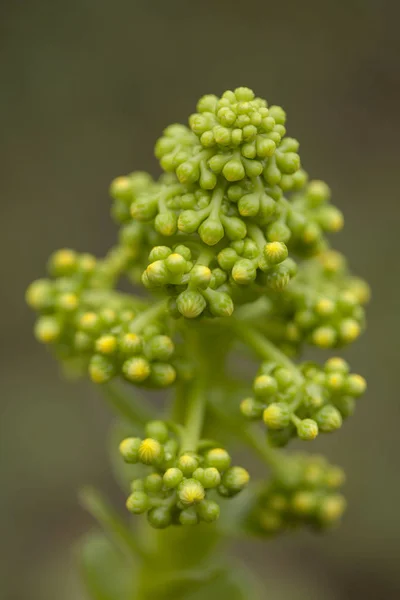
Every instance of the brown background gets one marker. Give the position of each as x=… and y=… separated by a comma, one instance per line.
x=86, y=88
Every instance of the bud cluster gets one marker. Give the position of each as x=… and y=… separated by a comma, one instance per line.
x=303, y=492
x=183, y=487
x=324, y=306
x=293, y=406
x=99, y=327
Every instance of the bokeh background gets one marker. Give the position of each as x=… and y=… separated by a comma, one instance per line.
x=86, y=88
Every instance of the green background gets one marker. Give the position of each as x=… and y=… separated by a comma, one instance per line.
x=86, y=88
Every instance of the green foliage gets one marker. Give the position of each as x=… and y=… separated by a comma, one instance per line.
x=231, y=245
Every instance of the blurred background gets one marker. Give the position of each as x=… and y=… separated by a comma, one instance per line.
x=86, y=88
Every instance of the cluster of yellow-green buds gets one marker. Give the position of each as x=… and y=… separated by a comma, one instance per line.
x=314, y=400
x=304, y=492
x=324, y=306
x=183, y=487
x=100, y=327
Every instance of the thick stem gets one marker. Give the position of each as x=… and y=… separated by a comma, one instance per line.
x=196, y=404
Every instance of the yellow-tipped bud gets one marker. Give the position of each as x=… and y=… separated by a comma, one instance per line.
x=349, y=330
x=150, y=451
x=136, y=369
x=106, y=344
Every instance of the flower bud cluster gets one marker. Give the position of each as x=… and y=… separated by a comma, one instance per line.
x=314, y=400
x=304, y=492
x=183, y=487
x=324, y=306
x=100, y=327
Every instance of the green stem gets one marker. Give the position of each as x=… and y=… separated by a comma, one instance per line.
x=130, y=407
x=149, y=315
x=93, y=502
x=196, y=404
x=266, y=349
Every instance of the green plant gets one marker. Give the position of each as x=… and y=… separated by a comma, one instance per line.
x=230, y=243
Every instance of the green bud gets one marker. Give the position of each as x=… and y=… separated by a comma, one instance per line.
x=176, y=264
x=188, y=171
x=208, y=477
x=129, y=449
x=162, y=374
x=190, y=304
x=137, y=485
x=159, y=517
x=166, y=223
x=200, y=276
x=307, y=429
x=136, y=369
x=188, y=516
x=218, y=458
x=278, y=232
x=211, y=231
x=187, y=464
x=265, y=385
x=63, y=263
x=317, y=193
x=277, y=415
x=159, y=347
x=101, y=369
x=227, y=258
x=235, y=479
x=355, y=385
x=150, y=451
x=234, y=227
x=190, y=492
x=244, y=271
x=233, y=170
x=157, y=273
x=131, y=343
x=39, y=294
x=331, y=508
x=275, y=252
x=153, y=483
x=47, y=330
x=250, y=408
x=249, y=205
x=208, y=511
x=189, y=221
x=138, y=503
x=159, y=253
x=324, y=337
x=328, y=418
x=304, y=503
x=157, y=430
x=220, y=304
x=172, y=477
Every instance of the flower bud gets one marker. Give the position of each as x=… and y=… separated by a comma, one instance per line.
x=211, y=231
x=307, y=429
x=277, y=415
x=227, y=258
x=129, y=449
x=208, y=477
x=166, y=223
x=331, y=509
x=188, y=516
x=349, y=330
x=235, y=479
x=162, y=374
x=47, y=330
x=159, y=347
x=106, y=344
x=131, y=343
x=220, y=304
x=249, y=204
x=189, y=221
x=136, y=369
x=233, y=170
x=275, y=252
x=159, y=517
x=63, y=262
x=157, y=430
x=208, y=511
x=39, y=294
x=172, y=477
x=317, y=193
x=176, y=264
x=157, y=273
x=278, y=232
x=190, y=304
x=138, y=503
x=324, y=337
x=101, y=369
x=159, y=253
x=200, y=276
x=355, y=385
x=304, y=503
x=265, y=385
x=190, y=492
x=328, y=418
x=218, y=458
x=244, y=271
x=187, y=464
x=251, y=409
x=150, y=451
x=153, y=483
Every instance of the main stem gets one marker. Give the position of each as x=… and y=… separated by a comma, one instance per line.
x=196, y=404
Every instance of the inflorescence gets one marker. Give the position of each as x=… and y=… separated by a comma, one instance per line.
x=232, y=237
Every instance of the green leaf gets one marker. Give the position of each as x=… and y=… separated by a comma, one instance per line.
x=106, y=573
